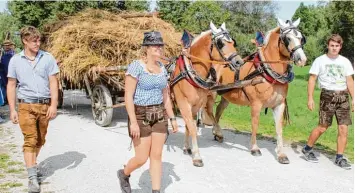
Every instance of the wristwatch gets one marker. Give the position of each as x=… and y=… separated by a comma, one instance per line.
x=172, y=119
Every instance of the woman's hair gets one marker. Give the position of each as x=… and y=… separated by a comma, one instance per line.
x=143, y=51
x=29, y=33
x=336, y=38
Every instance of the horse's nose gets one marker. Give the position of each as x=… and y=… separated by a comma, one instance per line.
x=237, y=60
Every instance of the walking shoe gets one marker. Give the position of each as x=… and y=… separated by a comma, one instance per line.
x=33, y=186
x=343, y=163
x=309, y=156
x=124, y=181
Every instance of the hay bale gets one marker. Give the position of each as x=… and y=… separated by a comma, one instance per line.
x=100, y=38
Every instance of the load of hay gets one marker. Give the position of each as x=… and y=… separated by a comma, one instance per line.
x=100, y=38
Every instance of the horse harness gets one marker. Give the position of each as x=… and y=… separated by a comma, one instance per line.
x=186, y=69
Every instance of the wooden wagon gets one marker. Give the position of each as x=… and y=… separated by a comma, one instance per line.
x=106, y=91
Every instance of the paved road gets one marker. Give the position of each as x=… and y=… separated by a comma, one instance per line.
x=81, y=157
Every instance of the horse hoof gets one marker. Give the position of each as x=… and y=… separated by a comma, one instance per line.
x=256, y=152
x=283, y=160
x=198, y=163
x=218, y=138
x=187, y=151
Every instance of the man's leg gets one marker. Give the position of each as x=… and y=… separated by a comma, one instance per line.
x=342, y=139
x=28, y=124
x=315, y=134
x=326, y=113
x=343, y=117
x=313, y=137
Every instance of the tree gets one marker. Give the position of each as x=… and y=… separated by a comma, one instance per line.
x=9, y=24
x=199, y=14
x=37, y=13
x=343, y=24
x=173, y=11
x=251, y=16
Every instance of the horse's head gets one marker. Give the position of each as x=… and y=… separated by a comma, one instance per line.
x=222, y=46
x=293, y=40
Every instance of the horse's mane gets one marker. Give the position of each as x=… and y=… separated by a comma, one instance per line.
x=202, y=34
x=268, y=34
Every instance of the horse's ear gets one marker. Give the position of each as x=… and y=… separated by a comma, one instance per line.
x=213, y=28
x=281, y=23
x=297, y=22
x=223, y=26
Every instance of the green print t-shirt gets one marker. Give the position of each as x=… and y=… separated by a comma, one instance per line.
x=331, y=72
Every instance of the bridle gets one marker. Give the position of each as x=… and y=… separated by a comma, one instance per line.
x=284, y=40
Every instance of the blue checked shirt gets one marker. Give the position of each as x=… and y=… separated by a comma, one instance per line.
x=149, y=90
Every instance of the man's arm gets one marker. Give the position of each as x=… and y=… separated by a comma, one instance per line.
x=350, y=84
x=53, y=86
x=11, y=93
x=311, y=84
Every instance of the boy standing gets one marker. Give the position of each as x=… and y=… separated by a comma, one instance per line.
x=35, y=70
x=334, y=73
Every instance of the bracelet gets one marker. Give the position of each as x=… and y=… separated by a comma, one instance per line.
x=172, y=119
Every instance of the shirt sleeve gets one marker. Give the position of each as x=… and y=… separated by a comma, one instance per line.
x=134, y=69
x=315, y=67
x=11, y=72
x=349, y=70
x=52, y=66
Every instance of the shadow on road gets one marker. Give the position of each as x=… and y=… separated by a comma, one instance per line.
x=167, y=179
x=71, y=158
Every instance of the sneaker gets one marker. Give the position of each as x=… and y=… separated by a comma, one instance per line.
x=124, y=181
x=309, y=156
x=33, y=185
x=343, y=163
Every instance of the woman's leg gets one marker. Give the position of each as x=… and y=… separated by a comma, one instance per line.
x=142, y=150
x=158, y=140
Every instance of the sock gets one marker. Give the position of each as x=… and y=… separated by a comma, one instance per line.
x=307, y=148
x=32, y=172
x=339, y=156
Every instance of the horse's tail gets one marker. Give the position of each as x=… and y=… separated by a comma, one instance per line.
x=286, y=115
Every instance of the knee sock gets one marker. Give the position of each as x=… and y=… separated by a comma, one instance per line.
x=32, y=172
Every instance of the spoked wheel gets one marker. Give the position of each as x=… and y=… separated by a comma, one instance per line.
x=60, y=98
x=102, y=99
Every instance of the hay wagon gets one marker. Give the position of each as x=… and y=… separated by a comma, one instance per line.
x=106, y=92
x=98, y=38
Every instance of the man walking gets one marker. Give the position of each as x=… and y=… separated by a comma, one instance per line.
x=35, y=70
x=334, y=73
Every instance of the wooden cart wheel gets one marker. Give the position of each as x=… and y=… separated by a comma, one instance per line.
x=60, y=98
x=102, y=99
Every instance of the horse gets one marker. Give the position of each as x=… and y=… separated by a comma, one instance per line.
x=188, y=84
x=271, y=62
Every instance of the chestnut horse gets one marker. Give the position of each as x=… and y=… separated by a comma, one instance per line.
x=281, y=44
x=212, y=46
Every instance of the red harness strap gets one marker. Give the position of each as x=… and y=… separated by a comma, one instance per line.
x=265, y=75
x=181, y=64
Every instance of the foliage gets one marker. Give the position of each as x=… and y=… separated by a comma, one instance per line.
x=173, y=11
x=200, y=13
x=9, y=24
x=319, y=22
x=37, y=13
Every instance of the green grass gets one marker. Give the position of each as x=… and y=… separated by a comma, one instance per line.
x=10, y=185
x=302, y=120
x=4, y=158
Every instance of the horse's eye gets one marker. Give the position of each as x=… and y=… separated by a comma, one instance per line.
x=220, y=44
